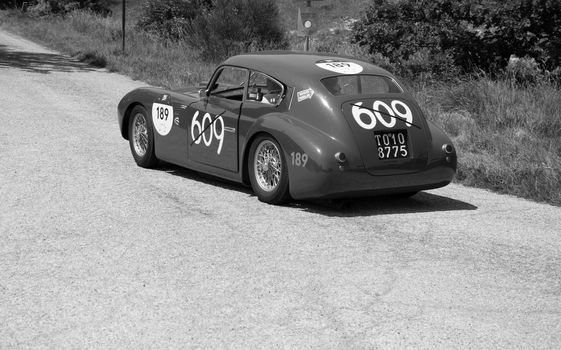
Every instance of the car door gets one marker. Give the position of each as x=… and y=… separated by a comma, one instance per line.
x=213, y=136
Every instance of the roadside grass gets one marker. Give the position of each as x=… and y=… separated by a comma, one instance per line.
x=97, y=40
x=508, y=137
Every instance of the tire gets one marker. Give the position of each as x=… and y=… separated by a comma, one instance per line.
x=268, y=172
x=141, y=138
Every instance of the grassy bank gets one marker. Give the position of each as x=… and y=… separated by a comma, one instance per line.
x=508, y=137
x=98, y=40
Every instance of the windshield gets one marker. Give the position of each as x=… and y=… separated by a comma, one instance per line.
x=361, y=84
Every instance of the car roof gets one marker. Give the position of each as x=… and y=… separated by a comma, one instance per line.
x=298, y=68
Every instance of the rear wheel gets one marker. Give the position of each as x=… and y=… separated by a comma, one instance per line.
x=268, y=172
x=141, y=138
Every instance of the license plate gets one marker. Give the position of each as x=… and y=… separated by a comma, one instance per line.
x=391, y=144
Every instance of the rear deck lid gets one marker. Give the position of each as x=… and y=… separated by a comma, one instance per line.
x=391, y=133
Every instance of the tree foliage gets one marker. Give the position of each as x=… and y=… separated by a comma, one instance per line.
x=217, y=28
x=169, y=18
x=526, y=28
x=465, y=34
x=10, y=4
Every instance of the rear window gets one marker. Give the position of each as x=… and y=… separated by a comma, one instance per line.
x=361, y=84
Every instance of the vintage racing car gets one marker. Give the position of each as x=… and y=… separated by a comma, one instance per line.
x=293, y=125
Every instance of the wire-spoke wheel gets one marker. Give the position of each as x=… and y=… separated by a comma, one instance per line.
x=268, y=172
x=141, y=138
x=139, y=134
x=267, y=165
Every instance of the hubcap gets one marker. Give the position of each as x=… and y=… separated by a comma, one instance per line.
x=267, y=166
x=140, y=134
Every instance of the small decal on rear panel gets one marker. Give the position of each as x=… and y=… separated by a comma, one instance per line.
x=305, y=94
x=340, y=66
x=162, y=118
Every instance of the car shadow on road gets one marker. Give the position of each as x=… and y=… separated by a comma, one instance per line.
x=369, y=206
x=43, y=63
x=384, y=205
x=204, y=178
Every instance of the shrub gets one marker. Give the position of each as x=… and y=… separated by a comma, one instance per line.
x=231, y=27
x=525, y=28
x=62, y=7
x=218, y=28
x=10, y=4
x=430, y=36
x=523, y=71
x=169, y=18
x=469, y=34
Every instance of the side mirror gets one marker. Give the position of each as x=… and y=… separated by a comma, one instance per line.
x=255, y=94
x=203, y=93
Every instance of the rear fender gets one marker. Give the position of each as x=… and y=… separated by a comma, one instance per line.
x=437, y=154
x=308, y=151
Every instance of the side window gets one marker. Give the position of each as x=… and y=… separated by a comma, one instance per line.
x=342, y=85
x=361, y=84
x=376, y=85
x=264, y=89
x=230, y=83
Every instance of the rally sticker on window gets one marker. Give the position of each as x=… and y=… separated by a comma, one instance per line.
x=162, y=118
x=340, y=66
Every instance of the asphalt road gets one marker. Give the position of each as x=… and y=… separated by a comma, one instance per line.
x=96, y=252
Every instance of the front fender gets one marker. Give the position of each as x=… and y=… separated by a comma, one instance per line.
x=141, y=96
x=309, y=152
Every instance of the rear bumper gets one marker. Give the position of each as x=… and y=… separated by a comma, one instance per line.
x=359, y=183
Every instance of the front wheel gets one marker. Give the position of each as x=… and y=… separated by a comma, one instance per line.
x=141, y=138
x=267, y=171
